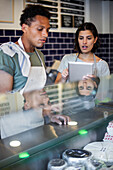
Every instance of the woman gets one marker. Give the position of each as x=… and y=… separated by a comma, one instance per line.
x=88, y=86
x=86, y=43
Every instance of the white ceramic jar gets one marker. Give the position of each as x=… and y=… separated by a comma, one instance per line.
x=57, y=164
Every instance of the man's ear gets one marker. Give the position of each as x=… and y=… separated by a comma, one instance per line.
x=24, y=27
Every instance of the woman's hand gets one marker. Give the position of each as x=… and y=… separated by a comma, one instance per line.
x=88, y=77
x=65, y=74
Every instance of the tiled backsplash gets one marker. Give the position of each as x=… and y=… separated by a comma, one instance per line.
x=59, y=43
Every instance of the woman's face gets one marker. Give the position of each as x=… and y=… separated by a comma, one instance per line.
x=86, y=87
x=86, y=41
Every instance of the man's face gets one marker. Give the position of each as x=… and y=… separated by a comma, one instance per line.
x=37, y=32
x=36, y=99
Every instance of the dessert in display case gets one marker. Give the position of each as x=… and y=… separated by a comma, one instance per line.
x=31, y=138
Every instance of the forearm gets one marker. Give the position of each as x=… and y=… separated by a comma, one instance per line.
x=60, y=79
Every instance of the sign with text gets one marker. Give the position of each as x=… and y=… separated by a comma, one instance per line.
x=66, y=21
x=78, y=20
x=64, y=13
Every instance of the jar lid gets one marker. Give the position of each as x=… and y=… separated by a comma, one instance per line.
x=77, y=153
x=56, y=164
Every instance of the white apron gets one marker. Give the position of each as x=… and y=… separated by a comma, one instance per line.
x=36, y=81
x=37, y=75
x=18, y=122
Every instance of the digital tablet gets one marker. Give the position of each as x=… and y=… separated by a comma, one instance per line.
x=79, y=69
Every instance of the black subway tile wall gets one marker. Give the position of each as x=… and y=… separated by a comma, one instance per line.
x=9, y=32
x=60, y=43
x=4, y=39
x=1, y=32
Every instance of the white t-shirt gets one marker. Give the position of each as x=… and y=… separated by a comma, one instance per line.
x=102, y=66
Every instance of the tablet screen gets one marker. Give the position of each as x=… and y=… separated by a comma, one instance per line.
x=79, y=69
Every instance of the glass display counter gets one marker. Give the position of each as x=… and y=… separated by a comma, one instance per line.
x=30, y=141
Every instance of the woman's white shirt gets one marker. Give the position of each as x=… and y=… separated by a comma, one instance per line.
x=102, y=66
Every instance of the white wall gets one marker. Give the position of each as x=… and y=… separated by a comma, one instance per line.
x=111, y=17
x=97, y=11
x=18, y=7
x=100, y=13
x=106, y=17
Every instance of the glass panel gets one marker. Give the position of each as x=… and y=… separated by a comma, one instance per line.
x=26, y=119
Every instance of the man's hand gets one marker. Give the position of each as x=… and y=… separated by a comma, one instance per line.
x=57, y=107
x=60, y=119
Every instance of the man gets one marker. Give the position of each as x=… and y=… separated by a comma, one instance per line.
x=22, y=66
x=15, y=64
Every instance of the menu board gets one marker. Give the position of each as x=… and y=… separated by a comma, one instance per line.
x=67, y=21
x=72, y=13
x=78, y=20
x=64, y=13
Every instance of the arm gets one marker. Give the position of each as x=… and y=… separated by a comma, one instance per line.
x=6, y=72
x=6, y=82
x=63, y=68
x=59, y=77
x=62, y=77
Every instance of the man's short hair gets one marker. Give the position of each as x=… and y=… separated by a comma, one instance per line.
x=31, y=11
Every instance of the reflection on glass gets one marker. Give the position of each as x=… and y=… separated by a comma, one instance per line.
x=88, y=86
x=74, y=97
x=105, y=90
x=10, y=102
x=35, y=99
x=26, y=113
x=15, y=143
x=34, y=108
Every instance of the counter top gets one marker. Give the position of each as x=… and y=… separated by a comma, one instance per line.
x=41, y=138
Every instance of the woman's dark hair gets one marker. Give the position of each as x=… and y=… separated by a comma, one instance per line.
x=31, y=11
x=87, y=26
